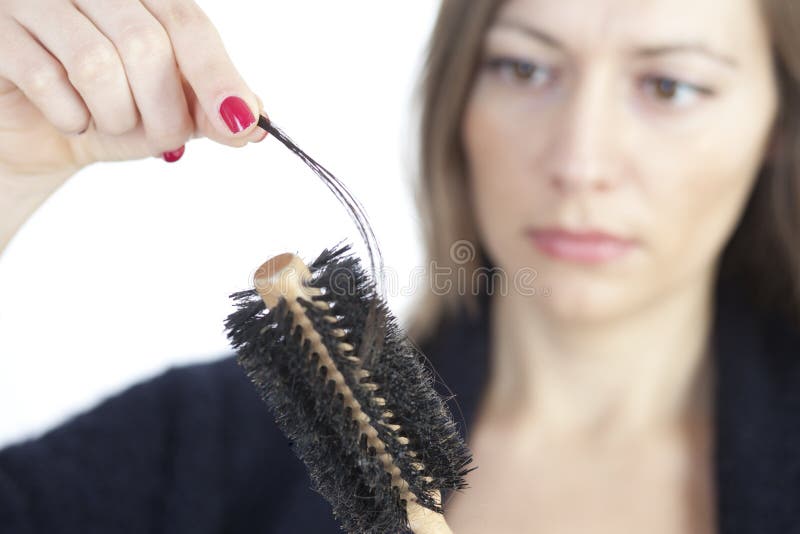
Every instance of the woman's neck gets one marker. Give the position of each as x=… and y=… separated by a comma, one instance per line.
x=647, y=371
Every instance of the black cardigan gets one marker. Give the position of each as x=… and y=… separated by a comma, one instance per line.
x=194, y=451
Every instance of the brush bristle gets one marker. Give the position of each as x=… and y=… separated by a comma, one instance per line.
x=411, y=419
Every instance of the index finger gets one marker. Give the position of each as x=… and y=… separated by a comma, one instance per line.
x=223, y=95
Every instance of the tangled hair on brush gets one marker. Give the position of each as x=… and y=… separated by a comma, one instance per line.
x=411, y=419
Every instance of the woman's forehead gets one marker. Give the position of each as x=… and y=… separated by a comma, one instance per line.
x=732, y=26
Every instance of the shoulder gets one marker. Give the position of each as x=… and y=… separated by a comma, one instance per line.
x=214, y=414
x=194, y=442
x=264, y=482
x=781, y=337
x=209, y=397
x=757, y=411
x=765, y=340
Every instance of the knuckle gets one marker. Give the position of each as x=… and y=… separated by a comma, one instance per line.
x=40, y=79
x=140, y=43
x=93, y=62
x=182, y=14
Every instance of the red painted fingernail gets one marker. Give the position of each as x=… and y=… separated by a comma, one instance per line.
x=173, y=155
x=236, y=114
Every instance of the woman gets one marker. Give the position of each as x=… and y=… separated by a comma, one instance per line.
x=650, y=123
x=670, y=125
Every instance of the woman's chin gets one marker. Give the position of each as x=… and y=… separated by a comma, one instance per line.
x=573, y=299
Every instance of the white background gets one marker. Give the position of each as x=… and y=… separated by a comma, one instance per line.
x=127, y=269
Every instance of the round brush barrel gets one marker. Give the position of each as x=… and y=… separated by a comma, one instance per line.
x=350, y=392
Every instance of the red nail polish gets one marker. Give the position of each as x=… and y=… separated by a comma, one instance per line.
x=173, y=155
x=236, y=114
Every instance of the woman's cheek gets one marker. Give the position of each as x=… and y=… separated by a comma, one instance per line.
x=499, y=185
x=695, y=213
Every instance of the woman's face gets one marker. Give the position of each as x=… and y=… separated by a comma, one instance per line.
x=644, y=119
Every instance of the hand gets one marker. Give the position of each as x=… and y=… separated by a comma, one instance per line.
x=102, y=80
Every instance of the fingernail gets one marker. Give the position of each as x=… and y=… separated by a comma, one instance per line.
x=173, y=155
x=236, y=114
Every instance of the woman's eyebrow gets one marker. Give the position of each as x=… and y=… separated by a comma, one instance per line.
x=698, y=48
x=646, y=51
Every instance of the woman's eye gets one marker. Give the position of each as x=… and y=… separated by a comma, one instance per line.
x=674, y=92
x=520, y=71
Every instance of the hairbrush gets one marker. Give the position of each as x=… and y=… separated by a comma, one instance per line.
x=352, y=394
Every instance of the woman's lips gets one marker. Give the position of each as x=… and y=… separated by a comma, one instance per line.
x=583, y=247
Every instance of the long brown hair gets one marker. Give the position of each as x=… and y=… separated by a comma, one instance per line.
x=762, y=256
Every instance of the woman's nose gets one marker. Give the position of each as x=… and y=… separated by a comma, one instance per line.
x=587, y=143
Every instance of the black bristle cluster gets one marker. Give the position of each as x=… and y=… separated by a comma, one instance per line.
x=301, y=398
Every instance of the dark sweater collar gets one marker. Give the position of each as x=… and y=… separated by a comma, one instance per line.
x=756, y=403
